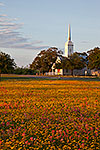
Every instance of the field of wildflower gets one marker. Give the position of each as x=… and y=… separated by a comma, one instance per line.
x=50, y=114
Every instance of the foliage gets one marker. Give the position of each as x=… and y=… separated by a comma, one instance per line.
x=84, y=57
x=75, y=61
x=24, y=71
x=45, y=59
x=94, y=58
x=65, y=63
x=58, y=65
x=50, y=115
x=7, y=64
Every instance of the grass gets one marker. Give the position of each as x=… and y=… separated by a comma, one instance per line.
x=34, y=77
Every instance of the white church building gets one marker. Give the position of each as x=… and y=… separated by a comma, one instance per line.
x=69, y=49
x=69, y=46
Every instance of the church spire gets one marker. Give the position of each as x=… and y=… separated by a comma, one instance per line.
x=69, y=44
x=69, y=33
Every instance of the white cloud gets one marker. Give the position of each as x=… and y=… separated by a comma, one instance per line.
x=2, y=4
x=85, y=42
x=10, y=37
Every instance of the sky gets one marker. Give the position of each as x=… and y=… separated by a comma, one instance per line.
x=29, y=26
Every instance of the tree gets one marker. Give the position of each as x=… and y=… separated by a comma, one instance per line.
x=76, y=62
x=24, y=71
x=7, y=64
x=84, y=57
x=65, y=63
x=45, y=59
x=94, y=58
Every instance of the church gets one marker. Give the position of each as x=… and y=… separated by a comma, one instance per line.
x=69, y=46
x=69, y=50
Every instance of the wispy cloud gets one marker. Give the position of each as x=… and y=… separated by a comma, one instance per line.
x=85, y=42
x=2, y=4
x=3, y=15
x=10, y=37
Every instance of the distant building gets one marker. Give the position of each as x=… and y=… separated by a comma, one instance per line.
x=95, y=72
x=69, y=44
x=69, y=49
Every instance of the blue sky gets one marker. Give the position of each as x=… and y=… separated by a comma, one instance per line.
x=29, y=26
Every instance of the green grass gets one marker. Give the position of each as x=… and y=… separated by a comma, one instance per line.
x=50, y=78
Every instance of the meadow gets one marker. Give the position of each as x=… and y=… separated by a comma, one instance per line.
x=49, y=114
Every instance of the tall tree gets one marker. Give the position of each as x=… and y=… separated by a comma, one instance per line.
x=76, y=62
x=94, y=58
x=84, y=57
x=64, y=64
x=45, y=59
x=7, y=64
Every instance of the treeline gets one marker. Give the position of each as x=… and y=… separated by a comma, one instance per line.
x=47, y=58
x=8, y=66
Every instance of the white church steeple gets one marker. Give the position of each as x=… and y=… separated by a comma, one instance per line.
x=69, y=44
x=69, y=33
